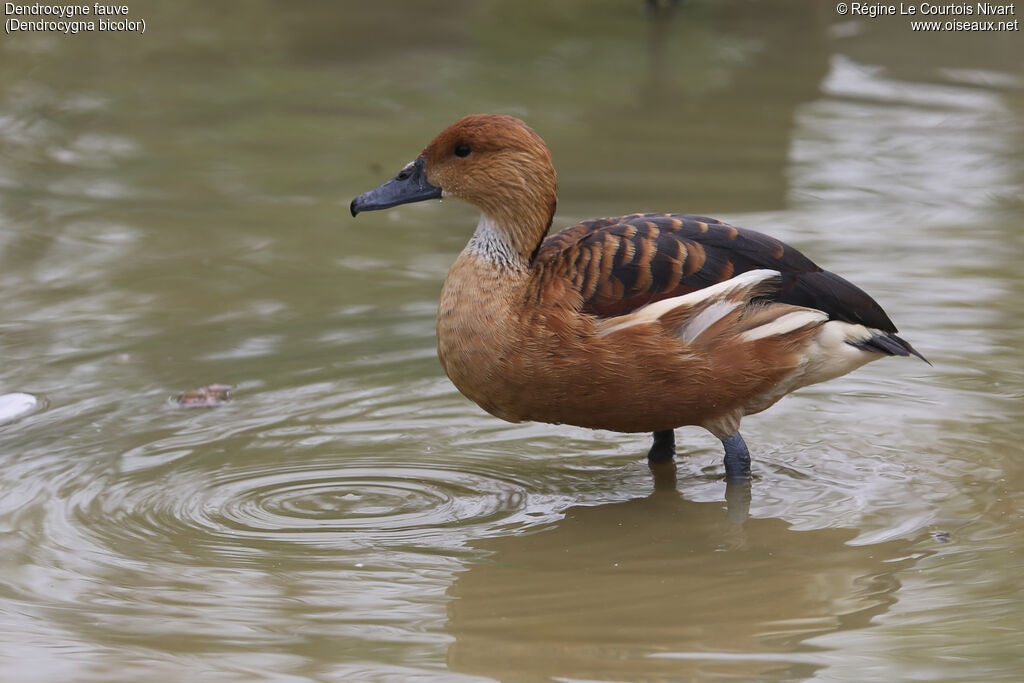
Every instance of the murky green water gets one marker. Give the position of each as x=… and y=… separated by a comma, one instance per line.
x=173, y=213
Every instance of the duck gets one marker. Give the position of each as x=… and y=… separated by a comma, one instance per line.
x=638, y=323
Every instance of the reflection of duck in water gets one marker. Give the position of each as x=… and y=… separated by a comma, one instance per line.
x=640, y=323
x=661, y=588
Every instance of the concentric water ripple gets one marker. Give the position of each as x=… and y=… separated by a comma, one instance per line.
x=336, y=506
x=362, y=499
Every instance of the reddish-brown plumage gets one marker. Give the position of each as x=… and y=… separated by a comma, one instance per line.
x=546, y=362
x=618, y=323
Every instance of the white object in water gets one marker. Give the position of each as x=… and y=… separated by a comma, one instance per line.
x=16, y=405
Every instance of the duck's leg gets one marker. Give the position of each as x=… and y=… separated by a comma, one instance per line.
x=664, y=447
x=737, y=458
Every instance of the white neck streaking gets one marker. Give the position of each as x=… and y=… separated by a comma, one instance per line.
x=490, y=242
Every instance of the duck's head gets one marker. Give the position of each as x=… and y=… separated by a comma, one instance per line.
x=496, y=163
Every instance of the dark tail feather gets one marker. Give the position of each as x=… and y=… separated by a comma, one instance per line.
x=889, y=344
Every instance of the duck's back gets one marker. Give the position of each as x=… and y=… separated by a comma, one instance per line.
x=620, y=264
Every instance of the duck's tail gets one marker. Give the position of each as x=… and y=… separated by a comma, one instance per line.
x=886, y=343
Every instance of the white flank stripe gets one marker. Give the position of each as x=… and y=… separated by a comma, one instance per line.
x=706, y=318
x=652, y=312
x=785, y=324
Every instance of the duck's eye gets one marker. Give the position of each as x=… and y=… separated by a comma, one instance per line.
x=462, y=150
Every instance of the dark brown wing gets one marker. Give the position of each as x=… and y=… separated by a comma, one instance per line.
x=619, y=264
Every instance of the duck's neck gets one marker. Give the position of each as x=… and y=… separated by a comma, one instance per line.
x=509, y=242
x=492, y=242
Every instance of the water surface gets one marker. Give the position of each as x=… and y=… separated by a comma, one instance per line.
x=173, y=213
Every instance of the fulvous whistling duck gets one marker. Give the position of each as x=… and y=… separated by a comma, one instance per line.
x=639, y=323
